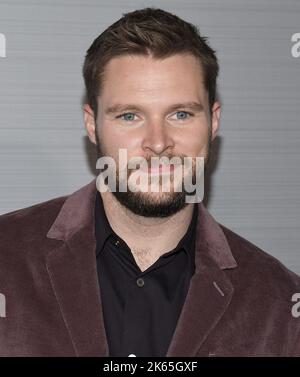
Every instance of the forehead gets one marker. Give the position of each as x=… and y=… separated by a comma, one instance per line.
x=144, y=76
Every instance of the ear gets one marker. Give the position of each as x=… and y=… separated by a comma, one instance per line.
x=90, y=123
x=215, y=119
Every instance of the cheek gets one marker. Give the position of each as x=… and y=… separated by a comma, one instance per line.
x=106, y=140
x=113, y=139
x=196, y=142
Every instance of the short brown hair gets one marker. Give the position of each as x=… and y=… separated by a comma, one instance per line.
x=150, y=32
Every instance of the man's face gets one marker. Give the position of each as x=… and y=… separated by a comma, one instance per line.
x=139, y=110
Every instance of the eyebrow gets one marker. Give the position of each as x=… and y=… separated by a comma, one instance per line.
x=196, y=106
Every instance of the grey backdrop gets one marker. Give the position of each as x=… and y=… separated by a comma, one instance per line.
x=254, y=185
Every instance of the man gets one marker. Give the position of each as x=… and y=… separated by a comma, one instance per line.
x=142, y=273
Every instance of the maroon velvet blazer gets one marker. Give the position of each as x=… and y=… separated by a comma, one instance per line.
x=238, y=303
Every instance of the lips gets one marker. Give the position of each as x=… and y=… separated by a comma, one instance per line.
x=161, y=169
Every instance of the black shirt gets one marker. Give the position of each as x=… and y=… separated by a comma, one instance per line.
x=141, y=309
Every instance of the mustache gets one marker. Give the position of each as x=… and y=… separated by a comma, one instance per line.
x=163, y=160
x=157, y=161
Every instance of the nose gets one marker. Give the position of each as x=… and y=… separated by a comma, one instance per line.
x=157, y=138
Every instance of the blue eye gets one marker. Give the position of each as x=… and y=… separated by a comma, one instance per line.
x=126, y=114
x=184, y=113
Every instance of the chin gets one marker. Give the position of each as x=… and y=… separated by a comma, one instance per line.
x=154, y=204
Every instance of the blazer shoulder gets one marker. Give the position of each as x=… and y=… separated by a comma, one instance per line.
x=257, y=265
x=33, y=210
x=28, y=225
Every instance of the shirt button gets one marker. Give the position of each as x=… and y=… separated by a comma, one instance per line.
x=140, y=282
x=117, y=242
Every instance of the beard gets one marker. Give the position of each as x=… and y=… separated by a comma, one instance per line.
x=152, y=204
x=143, y=205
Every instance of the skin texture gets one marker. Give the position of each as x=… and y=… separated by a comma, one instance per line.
x=152, y=129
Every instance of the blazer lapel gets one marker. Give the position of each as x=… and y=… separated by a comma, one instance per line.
x=210, y=291
x=206, y=302
x=73, y=273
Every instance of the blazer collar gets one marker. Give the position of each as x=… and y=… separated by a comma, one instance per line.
x=76, y=213
x=73, y=275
